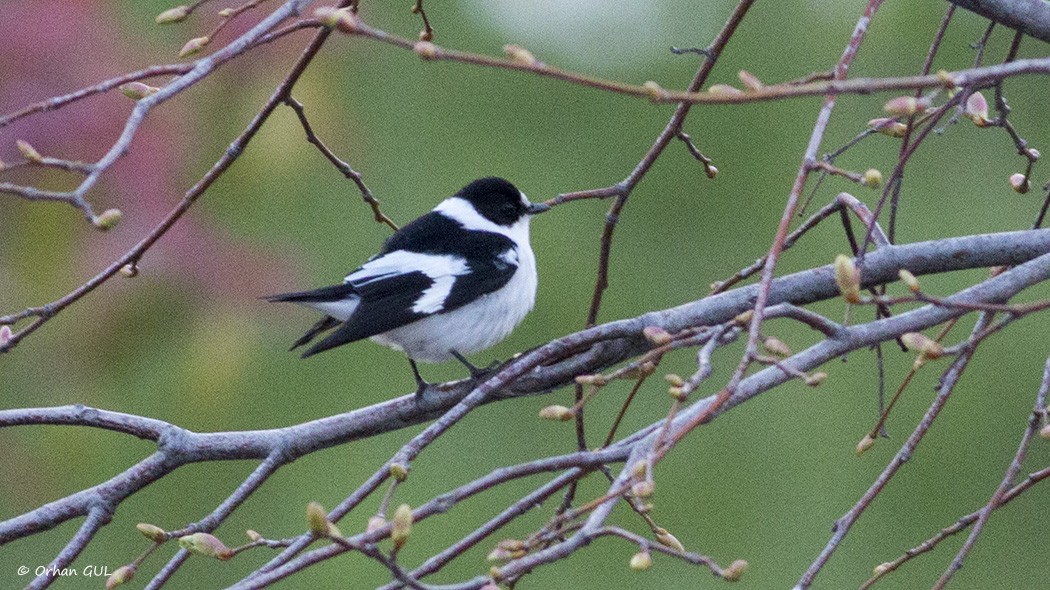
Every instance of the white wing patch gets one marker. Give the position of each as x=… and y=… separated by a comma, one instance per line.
x=510, y=257
x=442, y=269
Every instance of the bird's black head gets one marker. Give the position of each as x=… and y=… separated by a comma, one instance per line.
x=499, y=201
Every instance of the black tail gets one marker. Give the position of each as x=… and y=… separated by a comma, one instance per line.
x=326, y=323
x=332, y=293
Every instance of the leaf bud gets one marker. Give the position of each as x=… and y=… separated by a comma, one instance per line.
x=882, y=568
x=426, y=35
x=909, y=280
x=137, y=90
x=816, y=378
x=750, y=81
x=518, y=54
x=656, y=92
x=28, y=151
x=674, y=379
x=557, y=413
x=643, y=489
x=744, y=318
x=130, y=270
x=499, y=554
x=1020, y=183
x=425, y=49
x=977, y=109
x=512, y=545
x=123, y=575
x=253, y=535
x=888, y=127
x=375, y=523
x=173, y=15
x=1045, y=432
x=905, y=106
x=667, y=539
x=865, y=443
x=401, y=526
x=152, y=532
x=5, y=335
x=596, y=379
x=207, y=545
x=641, y=561
x=341, y=19
x=872, y=178
x=108, y=219
x=923, y=344
x=735, y=571
x=639, y=469
x=847, y=277
x=193, y=46
x=776, y=347
x=710, y=171
x=656, y=335
x=399, y=471
x=317, y=519
x=724, y=90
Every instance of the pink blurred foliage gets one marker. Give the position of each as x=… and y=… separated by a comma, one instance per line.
x=50, y=48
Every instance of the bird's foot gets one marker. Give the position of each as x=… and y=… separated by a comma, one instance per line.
x=421, y=385
x=476, y=373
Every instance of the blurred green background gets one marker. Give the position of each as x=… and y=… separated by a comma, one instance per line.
x=188, y=341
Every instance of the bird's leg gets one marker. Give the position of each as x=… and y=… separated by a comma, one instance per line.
x=475, y=373
x=421, y=385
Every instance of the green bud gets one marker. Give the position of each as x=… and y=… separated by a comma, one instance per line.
x=656, y=335
x=735, y=571
x=173, y=15
x=847, y=278
x=28, y=151
x=401, y=526
x=668, y=540
x=108, y=219
x=123, y=575
x=137, y=90
x=206, y=545
x=865, y=443
x=872, y=178
x=557, y=413
x=641, y=561
x=193, y=46
x=317, y=519
x=399, y=471
x=152, y=532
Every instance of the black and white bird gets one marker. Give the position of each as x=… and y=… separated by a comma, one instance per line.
x=453, y=282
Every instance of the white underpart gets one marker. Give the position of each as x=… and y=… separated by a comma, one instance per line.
x=482, y=323
x=340, y=310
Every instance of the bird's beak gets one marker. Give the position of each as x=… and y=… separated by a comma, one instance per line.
x=537, y=208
